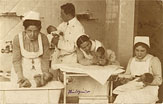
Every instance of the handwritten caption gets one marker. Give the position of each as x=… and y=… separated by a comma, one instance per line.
x=72, y=91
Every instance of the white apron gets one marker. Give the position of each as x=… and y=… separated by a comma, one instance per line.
x=31, y=64
x=146, y=95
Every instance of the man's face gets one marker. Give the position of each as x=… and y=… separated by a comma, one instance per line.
x=32, y=32
x=64, y=16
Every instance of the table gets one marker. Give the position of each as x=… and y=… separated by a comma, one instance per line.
x=93, y=71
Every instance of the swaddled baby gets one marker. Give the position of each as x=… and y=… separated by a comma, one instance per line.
x=43, y=79
x=139, y=82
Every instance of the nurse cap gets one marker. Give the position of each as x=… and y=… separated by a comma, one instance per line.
x=143, y=39
x=31, y=15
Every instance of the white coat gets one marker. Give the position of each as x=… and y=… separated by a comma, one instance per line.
x=67, y=43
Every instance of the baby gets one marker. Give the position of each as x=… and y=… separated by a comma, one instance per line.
x=52, y=32
x=43, y=79
x=138, y=82
x=100, y=54
x=146, y=78
x=106, y=55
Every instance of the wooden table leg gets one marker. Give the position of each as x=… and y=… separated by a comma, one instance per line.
x=64, y=82
x=111, y=92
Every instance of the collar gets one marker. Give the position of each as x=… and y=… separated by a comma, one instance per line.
x=144, y=59
x=72, y=21
x=93, y=46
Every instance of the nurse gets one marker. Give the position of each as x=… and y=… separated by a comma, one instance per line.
x=92, y=52
x=30, y=52
x=141, y=63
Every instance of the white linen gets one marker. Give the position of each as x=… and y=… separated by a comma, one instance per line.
x=99, y=73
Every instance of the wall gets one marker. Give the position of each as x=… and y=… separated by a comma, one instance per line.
x=111, y=26
x=94, y=28
x=149, y=22
x=126, y=30
x=120, y=28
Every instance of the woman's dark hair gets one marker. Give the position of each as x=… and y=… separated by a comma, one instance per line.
x=28, y=23
x=82, y=39
x=143, y=45
x=69, y=8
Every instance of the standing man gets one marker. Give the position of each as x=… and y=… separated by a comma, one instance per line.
x=71, y=29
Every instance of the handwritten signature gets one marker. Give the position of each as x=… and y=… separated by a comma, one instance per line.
x=78, y=91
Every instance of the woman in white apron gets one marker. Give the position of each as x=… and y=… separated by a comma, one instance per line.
x=87, y=52
x=138, y=65
x=30, y=52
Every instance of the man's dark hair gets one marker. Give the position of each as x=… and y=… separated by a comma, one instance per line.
x=28, y=23
x=69, y=8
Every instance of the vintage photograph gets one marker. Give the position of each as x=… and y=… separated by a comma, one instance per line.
x=81, y=51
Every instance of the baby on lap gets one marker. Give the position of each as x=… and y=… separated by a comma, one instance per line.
x=138, y=82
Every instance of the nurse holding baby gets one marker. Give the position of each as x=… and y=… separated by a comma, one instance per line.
x=141, y=63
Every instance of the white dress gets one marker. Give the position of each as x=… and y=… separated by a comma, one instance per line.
x=147, y=94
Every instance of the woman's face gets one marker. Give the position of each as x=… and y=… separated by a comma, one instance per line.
x=140, y=52
x=32, y=32
x=86, y=46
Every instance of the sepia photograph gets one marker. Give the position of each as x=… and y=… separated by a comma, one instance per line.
x=81, y=51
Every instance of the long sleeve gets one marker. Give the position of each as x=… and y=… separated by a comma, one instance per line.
x=71, y=33
x=70, y=43
x=128, y=67
x=157, y=71
x=46, y=54
x=17, y=57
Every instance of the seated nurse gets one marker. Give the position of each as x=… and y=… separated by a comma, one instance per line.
x=92, y=52
x=141, y=63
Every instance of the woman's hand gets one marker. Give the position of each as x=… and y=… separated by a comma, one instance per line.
x=102, y=62
x=125, y=76
x=95, y=61
x=24, y=82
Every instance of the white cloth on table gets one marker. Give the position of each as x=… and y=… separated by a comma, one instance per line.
x=99, y=73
